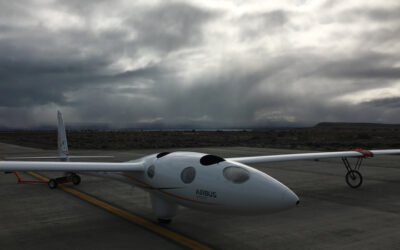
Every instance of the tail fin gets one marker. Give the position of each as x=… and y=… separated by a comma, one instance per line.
x=62, y=138
x=62, y=145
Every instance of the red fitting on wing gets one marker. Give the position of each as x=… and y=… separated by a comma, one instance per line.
x=364, y=152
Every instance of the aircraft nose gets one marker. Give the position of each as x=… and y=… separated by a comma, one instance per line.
x=278, y=197
x=289, y=198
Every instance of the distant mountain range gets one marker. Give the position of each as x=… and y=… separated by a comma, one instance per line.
x=199, y=127
x=355, y=125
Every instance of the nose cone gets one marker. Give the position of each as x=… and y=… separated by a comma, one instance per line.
x=276, y=196
x=289, y=199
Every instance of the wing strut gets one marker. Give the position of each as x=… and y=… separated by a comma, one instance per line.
x=353, y=177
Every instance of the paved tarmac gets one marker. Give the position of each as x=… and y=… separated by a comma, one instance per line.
x=330, y=216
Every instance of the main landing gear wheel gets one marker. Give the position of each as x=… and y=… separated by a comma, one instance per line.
x=76, y=179
x=354, y=178
x=52, y=184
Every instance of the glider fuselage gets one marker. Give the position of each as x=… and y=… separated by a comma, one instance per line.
x=211, y=183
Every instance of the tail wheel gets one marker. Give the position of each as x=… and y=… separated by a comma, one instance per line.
x=76, y=179
x=52, y=184
x=354, y=178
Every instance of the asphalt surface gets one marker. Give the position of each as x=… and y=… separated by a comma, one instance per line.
x=330, y=216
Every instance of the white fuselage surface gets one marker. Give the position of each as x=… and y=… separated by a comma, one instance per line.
x=217, y=185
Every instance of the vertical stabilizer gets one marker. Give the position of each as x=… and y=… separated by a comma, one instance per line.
x=62, y=138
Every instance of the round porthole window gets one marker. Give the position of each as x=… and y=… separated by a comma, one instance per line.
x=151, y=171
x=236, y=174
x=188, y=174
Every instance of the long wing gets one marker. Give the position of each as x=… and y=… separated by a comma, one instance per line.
x=310, y=156
x=70, y=166
x=57, y=157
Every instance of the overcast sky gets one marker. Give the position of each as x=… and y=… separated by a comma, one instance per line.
x=200, y=63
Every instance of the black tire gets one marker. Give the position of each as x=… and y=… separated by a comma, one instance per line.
x=354, y=179
x=76, y=179
x=52, y=184
x=164, y=221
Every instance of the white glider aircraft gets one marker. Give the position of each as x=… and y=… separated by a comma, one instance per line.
x=197, y=180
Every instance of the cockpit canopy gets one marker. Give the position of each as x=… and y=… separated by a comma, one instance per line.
x=210, y=160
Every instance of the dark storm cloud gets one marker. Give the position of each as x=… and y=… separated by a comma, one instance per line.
x=182, y=63
x=170, y=26
x=362, y=65
x=40, y=79
x=217, y=98
x=39, y=65
x=393, y=102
